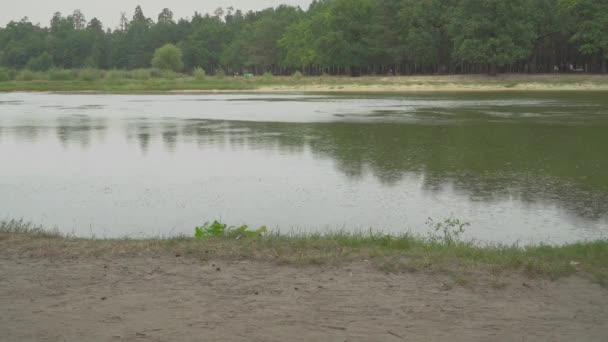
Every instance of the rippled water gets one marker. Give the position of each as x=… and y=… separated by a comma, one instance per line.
x=526, y=167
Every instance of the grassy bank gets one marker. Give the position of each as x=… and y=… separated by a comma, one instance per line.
x=149, y=80
x=406, y=253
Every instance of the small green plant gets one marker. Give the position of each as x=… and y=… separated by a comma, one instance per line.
x=211, y=230
x=219, y=229
x=297, y=75
x=199, y=74
x=244, y=232
x=447, y=231
x=219, y=73
x=268, y=76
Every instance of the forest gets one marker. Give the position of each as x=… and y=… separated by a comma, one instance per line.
x=333, y=37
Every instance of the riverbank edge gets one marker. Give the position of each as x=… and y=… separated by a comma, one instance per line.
x=325, y=84
x=391, y=254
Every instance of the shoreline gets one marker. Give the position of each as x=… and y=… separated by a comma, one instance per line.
x=298, y=289
x=325, y=84
x=444, y=254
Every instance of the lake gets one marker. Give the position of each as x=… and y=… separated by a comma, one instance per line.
x=519, y=167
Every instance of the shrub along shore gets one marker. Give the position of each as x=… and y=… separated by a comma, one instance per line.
x=444, y=253
x=156, y=80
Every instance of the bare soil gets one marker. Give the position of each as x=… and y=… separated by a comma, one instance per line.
x=170, y=298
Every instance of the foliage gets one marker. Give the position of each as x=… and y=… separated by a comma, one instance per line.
x=118, y=74
x=493, y=32
x=426, y=34
x=25, y=75
x=591, y=18
x=199, y=73
x=41, y=63
x=218, y=229
x=448, y=231
x=389, y=253
x=168, y=57
x=4, y=76
x=60, y=75
x=90, y=74
x=210, y=229
x=140, y=74
x=331, y=36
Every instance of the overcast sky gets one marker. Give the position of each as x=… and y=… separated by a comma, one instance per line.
x=108, y=11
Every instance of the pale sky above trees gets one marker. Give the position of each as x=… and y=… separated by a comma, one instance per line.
x=108, y=11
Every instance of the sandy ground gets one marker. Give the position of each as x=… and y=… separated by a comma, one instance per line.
x=452, y=83
x=405, y=88
x=178, y=299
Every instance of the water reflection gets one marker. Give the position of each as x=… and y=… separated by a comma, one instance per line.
x=170, y=134
x=530, y=163
x=478, y=152
x=27, y=132
x=79, y=129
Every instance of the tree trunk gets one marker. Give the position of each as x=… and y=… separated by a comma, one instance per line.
x=493, y=69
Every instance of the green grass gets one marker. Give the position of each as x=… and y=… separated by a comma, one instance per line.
x=151, y=80
x=405, y=253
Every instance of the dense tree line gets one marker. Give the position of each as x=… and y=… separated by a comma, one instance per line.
x=334, y=37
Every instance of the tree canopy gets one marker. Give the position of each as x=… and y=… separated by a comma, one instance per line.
x=331, y=36
x=168, y=57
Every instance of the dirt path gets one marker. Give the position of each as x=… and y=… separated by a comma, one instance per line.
x=177, y=299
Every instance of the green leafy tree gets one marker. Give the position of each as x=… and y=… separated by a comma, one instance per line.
x=493, y=32
x=591, y=28
x=298, y=44
x=427, y=40
x=386, y=32
x=341, y=28
x=334, y=36
x=69, y=44
x=205, y=43
x=19, y=42
x=44, y=62
x=168, y=57
x=265, y=32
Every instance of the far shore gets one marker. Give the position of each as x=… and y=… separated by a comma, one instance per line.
x=184, y=84
x=409, y=88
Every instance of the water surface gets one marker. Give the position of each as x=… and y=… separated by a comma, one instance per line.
x=527, y=167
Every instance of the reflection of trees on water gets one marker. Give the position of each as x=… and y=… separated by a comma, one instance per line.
x=79, y=129
x=169, y=135
x=28, y=132
x=141, y=130
x=488, y=162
